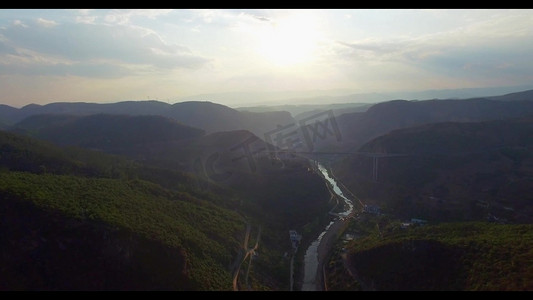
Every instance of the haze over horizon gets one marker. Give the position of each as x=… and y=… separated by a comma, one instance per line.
x=103, y=55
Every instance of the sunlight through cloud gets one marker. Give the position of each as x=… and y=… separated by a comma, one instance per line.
x=290, y=40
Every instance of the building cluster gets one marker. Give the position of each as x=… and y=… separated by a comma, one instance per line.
x=371, y=209
x=295, y=239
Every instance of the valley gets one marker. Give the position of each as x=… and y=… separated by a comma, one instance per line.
x=200, y=196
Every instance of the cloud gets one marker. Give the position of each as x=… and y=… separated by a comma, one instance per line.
x=124, y=16
x=498, y=46
x=75, y=48
x=91, y=70
x=261, y=18
x=84, y=12
x=376, y=49
x=86, y=19
x=227, y=18
x=46, y=23
x=19, y=23
x=117, y=16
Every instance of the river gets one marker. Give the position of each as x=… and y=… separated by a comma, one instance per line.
x=311, y=259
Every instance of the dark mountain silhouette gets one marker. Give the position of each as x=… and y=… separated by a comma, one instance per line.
x=241, y=161
x=302, y=111
x=206, y=115
x=214, y=117
x=126, y=107
x=12, y=115
x=110, y=133
x=336, y=112
x=452, y=137
x=519, y=96
x=451, y=171
x=359, y=128
x=201, y=114
x=261, y=123
x=33, y=125
x=235, y=159
x=8, y=114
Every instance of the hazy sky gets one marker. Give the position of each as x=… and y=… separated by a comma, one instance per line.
x=115, y=55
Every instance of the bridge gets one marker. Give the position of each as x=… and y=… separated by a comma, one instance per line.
x=374, y=155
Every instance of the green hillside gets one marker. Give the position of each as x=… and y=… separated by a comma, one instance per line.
x=450, y=256
x=156, y=218
x=208, y=235
x=96, y=189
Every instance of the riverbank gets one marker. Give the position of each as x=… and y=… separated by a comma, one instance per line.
x=318, y=251
x=325, y=247
x=307, y=241
x=331, y=236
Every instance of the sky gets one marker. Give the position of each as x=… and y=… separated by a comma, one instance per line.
x=111, y=55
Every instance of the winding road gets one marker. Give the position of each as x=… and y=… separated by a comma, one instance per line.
x=243, y=255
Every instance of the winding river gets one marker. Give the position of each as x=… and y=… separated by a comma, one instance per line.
x=311, y=260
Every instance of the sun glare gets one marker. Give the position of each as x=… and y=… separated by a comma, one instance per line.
x=289, y=41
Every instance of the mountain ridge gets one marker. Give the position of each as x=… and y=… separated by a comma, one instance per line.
x=205, y=115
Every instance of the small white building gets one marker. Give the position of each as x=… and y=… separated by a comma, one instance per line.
x=405, y=225
x=418, y=221
x=372, y=209
x=295, y=238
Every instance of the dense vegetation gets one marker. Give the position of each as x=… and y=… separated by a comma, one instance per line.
x=448, y=256
x=208, y=235
x=142, y=208
x=102, y=189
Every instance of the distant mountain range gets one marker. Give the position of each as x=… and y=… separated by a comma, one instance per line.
x=105, y=132
x=360, y=127
x=208, y=116
x=335, y=96
x=302, y=111
x=352, y=118
x=518, y=96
